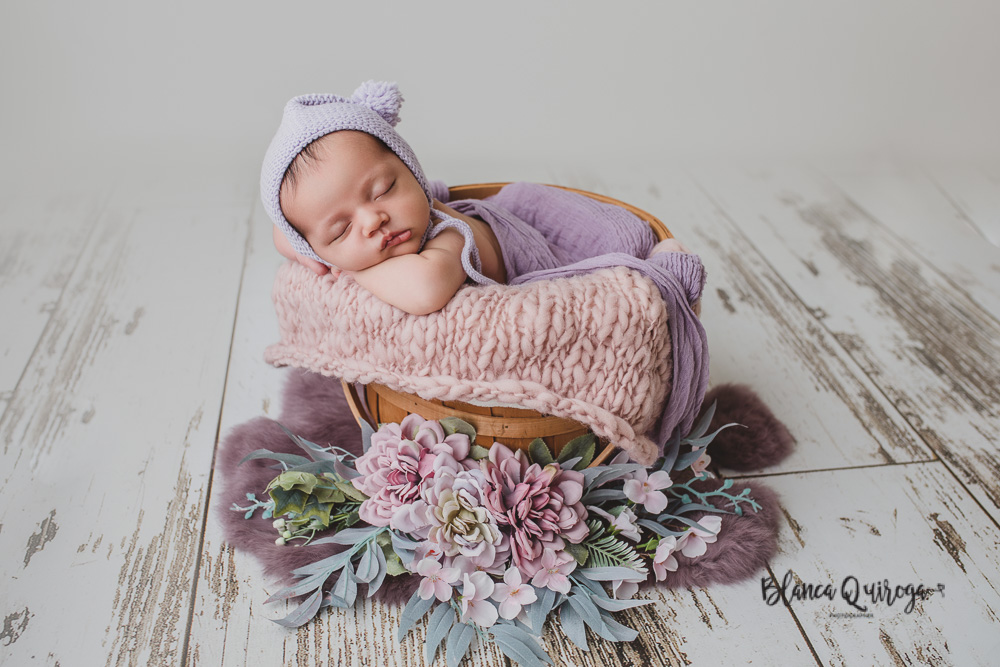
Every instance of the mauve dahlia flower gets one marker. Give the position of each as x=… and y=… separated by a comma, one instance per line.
x=460, y=524
x=540, y=506
x=401, y=460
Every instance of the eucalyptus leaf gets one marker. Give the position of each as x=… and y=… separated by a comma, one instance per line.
x=383, y=568
x=540, y=608
x=438, y=625
x=316, y=452
x=572, y=625
x=539, y=452
x=701, y=443
x=346, y=587
x=478, y=453
x=459, y=640
x=344, y=470
x=659, y=529
x=587, y=610
x=703, y=422
x=303, y=613
x=572, y=464
x=598, y=496
x=413, y=612
x=349, y=536
x=368, y=565
x=611, y=573
x=685, y=520
x=288, y=459
x=325, y=566
x=618, y=631
x=366, y=435
x=300, y=588
x=614, y=604
x=518, y=645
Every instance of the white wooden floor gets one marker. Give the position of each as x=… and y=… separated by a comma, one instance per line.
x=861, y=301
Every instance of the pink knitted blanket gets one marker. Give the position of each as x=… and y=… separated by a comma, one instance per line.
x=593, y=347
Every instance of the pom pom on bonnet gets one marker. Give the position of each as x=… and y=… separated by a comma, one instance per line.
x=373, y=108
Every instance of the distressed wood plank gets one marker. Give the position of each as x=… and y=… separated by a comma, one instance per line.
x=107, y=443
x=40, y=243
x=933, y=216
x=761, y=334
x=909, y=524
x=933, y=351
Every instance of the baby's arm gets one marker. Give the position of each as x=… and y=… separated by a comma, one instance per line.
x=418, y=283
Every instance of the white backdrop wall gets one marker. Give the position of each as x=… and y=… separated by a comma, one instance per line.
x=491, y=86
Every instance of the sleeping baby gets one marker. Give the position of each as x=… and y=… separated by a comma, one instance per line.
x=348, y=196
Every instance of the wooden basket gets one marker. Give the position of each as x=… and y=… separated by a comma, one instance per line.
x=514, y=427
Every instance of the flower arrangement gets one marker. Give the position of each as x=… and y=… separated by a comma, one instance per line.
x=500, y=539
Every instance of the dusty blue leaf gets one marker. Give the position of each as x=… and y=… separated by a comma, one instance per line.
x=518, y=645
x=438, y=625
x=344, y=470
x=602, y=495
x=349, y=536
x=611, y=573
x=703, y=422
x=288, y=459
x=659, y=529
x=413, y=612
x=540, y=608
x=300, y=588
x=620, y=632
x=459, y=640
x=383, y=568
x=366, y=435
x=346, y=587
x=316, y=452
x=572, y=625
x=368, y=565
x=612, y=604
x=303, y=613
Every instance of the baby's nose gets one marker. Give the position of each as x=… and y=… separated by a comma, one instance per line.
x=374, y=220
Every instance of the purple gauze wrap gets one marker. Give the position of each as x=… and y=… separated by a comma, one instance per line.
x=372, y=109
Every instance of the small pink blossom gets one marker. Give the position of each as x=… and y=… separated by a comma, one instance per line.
x=553, y=572
x=624, y=589
x=512, y=594
x=664, y=560
x=694, y=542
x=701, y=464
x=624, y=523
x=475, y=600
x=437, y=580
x=645, y=490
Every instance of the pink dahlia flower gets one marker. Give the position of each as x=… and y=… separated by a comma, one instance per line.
x=538, y=507
x=399, y=463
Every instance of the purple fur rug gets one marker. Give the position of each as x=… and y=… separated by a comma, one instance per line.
x=314, y=407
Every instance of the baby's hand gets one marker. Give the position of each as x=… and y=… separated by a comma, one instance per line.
x=286, y=249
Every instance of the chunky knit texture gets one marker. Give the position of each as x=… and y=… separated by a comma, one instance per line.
x=594, y=347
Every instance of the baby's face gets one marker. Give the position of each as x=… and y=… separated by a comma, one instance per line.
x=358, y=204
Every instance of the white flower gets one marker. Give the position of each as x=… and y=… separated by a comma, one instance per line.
x=645, y=490
x=437, y=580
x=694, y=542
x=512, y=594
x=475, y=603
x=664, y=560
x=624, y=523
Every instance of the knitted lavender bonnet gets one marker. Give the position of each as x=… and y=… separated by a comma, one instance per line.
x=373, y=108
